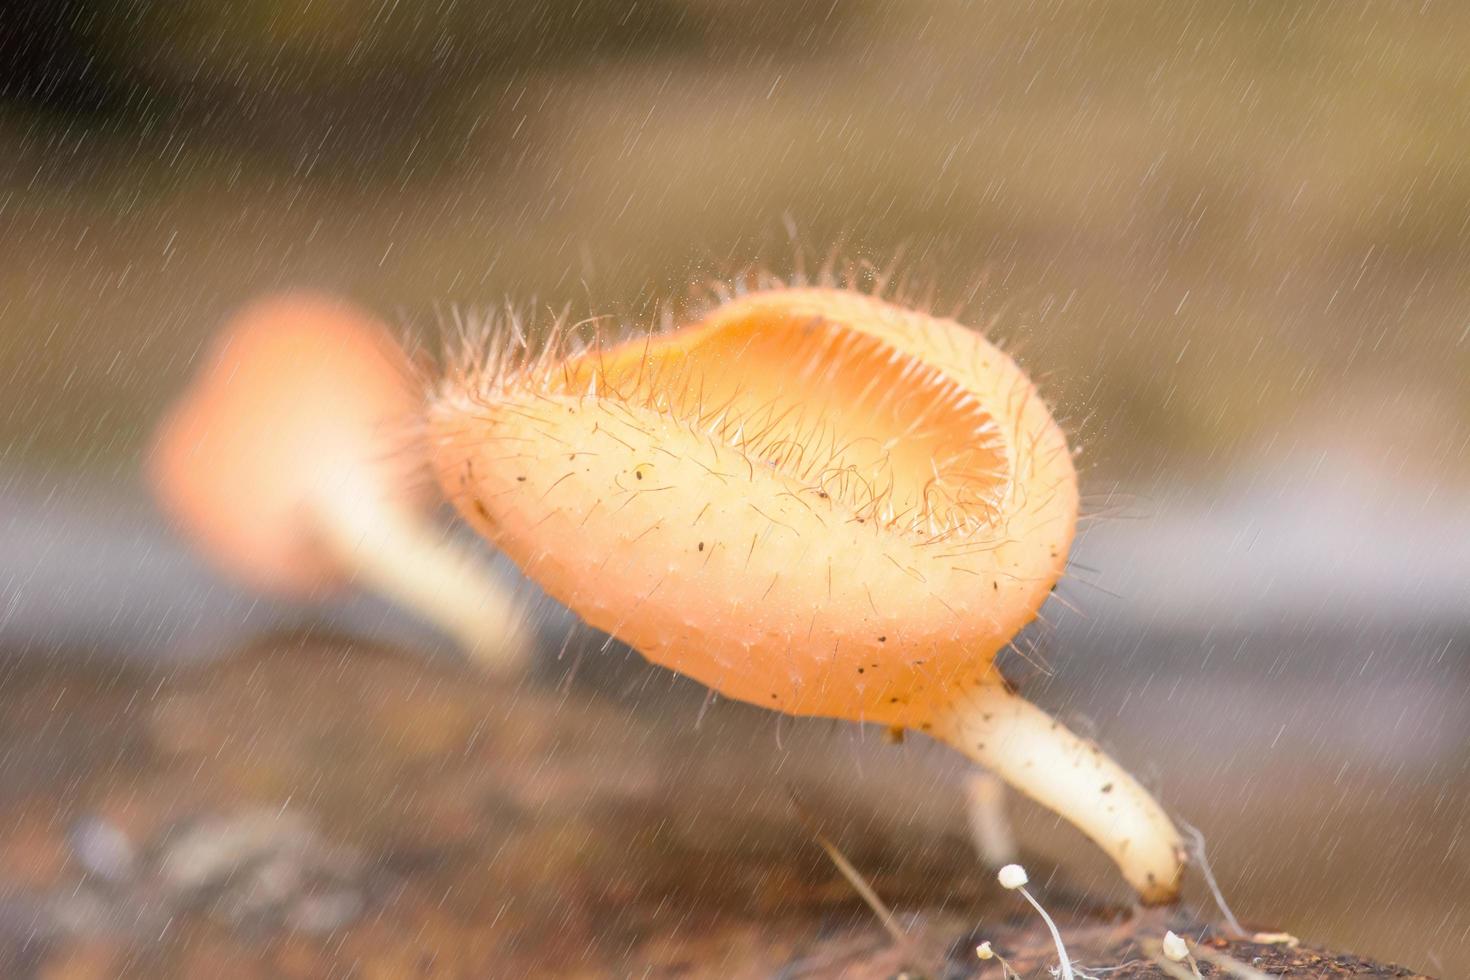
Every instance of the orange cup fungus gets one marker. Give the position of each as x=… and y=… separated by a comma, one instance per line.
x=284, y=463
x=811, y=500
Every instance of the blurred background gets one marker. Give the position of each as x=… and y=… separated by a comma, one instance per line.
x=1233, y=241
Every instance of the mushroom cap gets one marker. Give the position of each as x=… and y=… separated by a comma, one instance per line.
x=812, y=500
x=295, y=409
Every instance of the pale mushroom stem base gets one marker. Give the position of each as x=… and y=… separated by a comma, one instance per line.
x=416, y=566
x=1071, y=775
x=990, y=827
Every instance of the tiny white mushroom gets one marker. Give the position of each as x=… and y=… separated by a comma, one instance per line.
x=984, y=952
x=1176, y=949
x=1014, y=878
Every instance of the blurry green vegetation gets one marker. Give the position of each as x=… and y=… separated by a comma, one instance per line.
x=1201, y=222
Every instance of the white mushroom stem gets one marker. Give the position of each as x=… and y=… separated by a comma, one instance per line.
x=410, y=562
x=1063, y=959
x=1071, y=775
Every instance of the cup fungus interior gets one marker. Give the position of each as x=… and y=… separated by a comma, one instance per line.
x=884, y=433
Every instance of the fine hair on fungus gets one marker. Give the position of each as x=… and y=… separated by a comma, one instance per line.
x=810, y=499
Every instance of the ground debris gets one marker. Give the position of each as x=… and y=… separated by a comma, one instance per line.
x=307, y=809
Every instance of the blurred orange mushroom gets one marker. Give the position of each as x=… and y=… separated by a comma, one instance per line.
x=286, y=463
x=812, y=500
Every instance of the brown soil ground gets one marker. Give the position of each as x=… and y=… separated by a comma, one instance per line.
x=305, y=809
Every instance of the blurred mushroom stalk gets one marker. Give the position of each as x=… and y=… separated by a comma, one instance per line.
x=289, y=463
x=418, y=566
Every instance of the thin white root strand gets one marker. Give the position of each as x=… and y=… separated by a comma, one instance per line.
x=990, y=827
x=410, y=562
x=1197, y=840
x=1072, y=776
